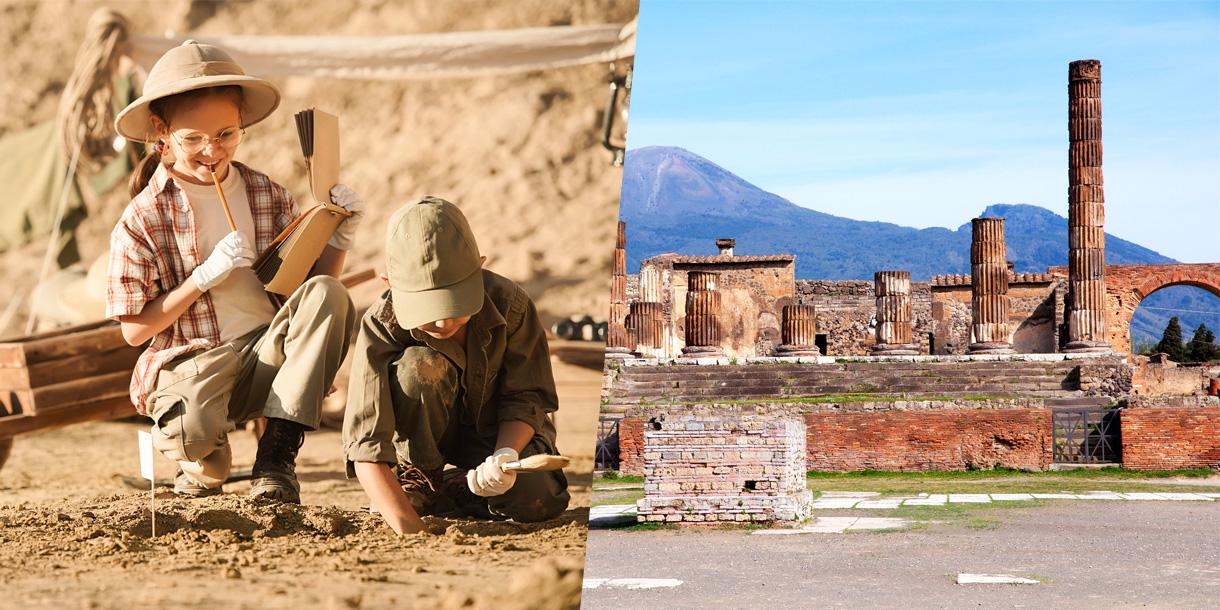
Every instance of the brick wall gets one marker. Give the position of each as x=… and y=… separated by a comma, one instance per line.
x=945, y=439
x=1156, y=438
x=936, y=440
x=724, y=463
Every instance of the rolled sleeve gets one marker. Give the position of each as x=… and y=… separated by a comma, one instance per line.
x=286, y=210
x=527, y=385
x=368, y=421
x=131, y=278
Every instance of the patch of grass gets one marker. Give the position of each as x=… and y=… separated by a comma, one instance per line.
x=1008, y=481
x=627, y=496
x=617, y=479
x=651, y=526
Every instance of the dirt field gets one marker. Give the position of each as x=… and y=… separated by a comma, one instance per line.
x=73, y=535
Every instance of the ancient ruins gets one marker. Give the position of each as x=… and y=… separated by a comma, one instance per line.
x=1002, y=367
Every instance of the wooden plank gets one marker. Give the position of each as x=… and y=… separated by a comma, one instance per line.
x=356, y=278
x=73, y=341
x=29, y=402
x=67, y=369
x=97, y=410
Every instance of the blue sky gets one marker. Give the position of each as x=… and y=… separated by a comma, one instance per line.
x=923, y=113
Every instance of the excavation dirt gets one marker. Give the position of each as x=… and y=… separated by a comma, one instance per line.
x=73, y=534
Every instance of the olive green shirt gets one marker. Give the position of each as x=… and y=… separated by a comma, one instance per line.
x=505, y=371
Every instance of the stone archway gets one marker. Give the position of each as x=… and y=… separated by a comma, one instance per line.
x=1127, y=285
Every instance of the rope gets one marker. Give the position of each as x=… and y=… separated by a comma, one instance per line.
x=56, y=229
x=86, y=108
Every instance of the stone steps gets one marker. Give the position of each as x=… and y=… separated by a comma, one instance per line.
x=694, y=383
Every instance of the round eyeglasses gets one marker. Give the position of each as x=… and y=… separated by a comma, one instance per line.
x=196, y=141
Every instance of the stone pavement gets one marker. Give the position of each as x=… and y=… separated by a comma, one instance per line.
x=616, y=515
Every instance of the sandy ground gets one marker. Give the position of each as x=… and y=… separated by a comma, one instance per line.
x=72, y=535
x=1085, y=555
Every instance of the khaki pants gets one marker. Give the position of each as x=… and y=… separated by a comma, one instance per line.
x=282, y=370
x=433, y=427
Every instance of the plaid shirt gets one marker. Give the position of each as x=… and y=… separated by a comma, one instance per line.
x=154, y=248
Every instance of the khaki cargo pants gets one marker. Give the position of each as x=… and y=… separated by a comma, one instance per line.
x=433, y=427
x=282, y=370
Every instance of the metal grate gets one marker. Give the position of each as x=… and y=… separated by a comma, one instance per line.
x=1086, y=435
x=606, y=456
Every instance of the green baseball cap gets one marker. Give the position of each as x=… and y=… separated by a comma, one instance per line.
x=433, y=262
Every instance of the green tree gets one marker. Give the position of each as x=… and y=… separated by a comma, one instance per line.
x=1202, y=346
x=1171, y=341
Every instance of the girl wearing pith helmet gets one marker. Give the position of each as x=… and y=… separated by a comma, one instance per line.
x=221, y=352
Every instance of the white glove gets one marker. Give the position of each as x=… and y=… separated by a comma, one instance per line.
x=233, y=251
x=345, y=233
x=489, y=479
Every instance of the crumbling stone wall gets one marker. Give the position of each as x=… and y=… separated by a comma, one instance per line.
x=723, y=463
x=1167, y=378
x=1032, y=316
x=847, y=311
x=1105, y=378
x=1167, y=438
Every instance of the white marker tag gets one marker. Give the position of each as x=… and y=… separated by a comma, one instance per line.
x=146, y=455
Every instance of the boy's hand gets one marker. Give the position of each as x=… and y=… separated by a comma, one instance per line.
x=345, y=234
x=489, y=479
x=232, y=252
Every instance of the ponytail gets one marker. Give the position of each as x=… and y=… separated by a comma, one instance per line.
x=144, y=172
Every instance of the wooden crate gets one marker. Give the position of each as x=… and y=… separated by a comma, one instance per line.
x=64, y=368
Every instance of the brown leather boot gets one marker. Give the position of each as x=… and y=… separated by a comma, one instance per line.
x=274, y=474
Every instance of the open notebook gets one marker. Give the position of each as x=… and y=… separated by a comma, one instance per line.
x=283, y=266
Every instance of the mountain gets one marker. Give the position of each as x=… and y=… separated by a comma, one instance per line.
x=673, y=200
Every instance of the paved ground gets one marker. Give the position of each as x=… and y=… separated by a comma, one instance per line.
x=1085, y=554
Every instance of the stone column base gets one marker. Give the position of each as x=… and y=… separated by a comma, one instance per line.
x=896, y=349
x=990, y=348
x=702, y=351
x=619, y=352
x=797, y=350
x=1081, y=347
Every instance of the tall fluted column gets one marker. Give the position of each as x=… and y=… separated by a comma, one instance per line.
x=617, y=340
x=645, y=326
x=798, y=331
x=1086, y=212
x=894, y=316
x=702, y=315
x=989, y=287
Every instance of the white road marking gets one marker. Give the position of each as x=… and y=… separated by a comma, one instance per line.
x=630, y=583
x=993, y=579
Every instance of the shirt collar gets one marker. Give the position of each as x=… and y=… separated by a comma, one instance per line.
x=162, y=179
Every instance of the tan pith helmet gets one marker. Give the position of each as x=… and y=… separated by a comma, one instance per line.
x=189, y=66
x=433, y=262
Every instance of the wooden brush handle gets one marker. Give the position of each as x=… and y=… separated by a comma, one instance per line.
x=224, y=201
x=538, y=463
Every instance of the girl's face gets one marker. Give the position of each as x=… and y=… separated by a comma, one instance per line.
x=203, y=135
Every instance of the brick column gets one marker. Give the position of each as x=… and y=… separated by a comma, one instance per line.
x=894, y=317
x=702, y=315
x=798, y=331
x=989, y=287
x=1086, y=212
x=617, y=340
x=645, y=326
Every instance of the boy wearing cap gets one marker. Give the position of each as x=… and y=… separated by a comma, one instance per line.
x=451, y=366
